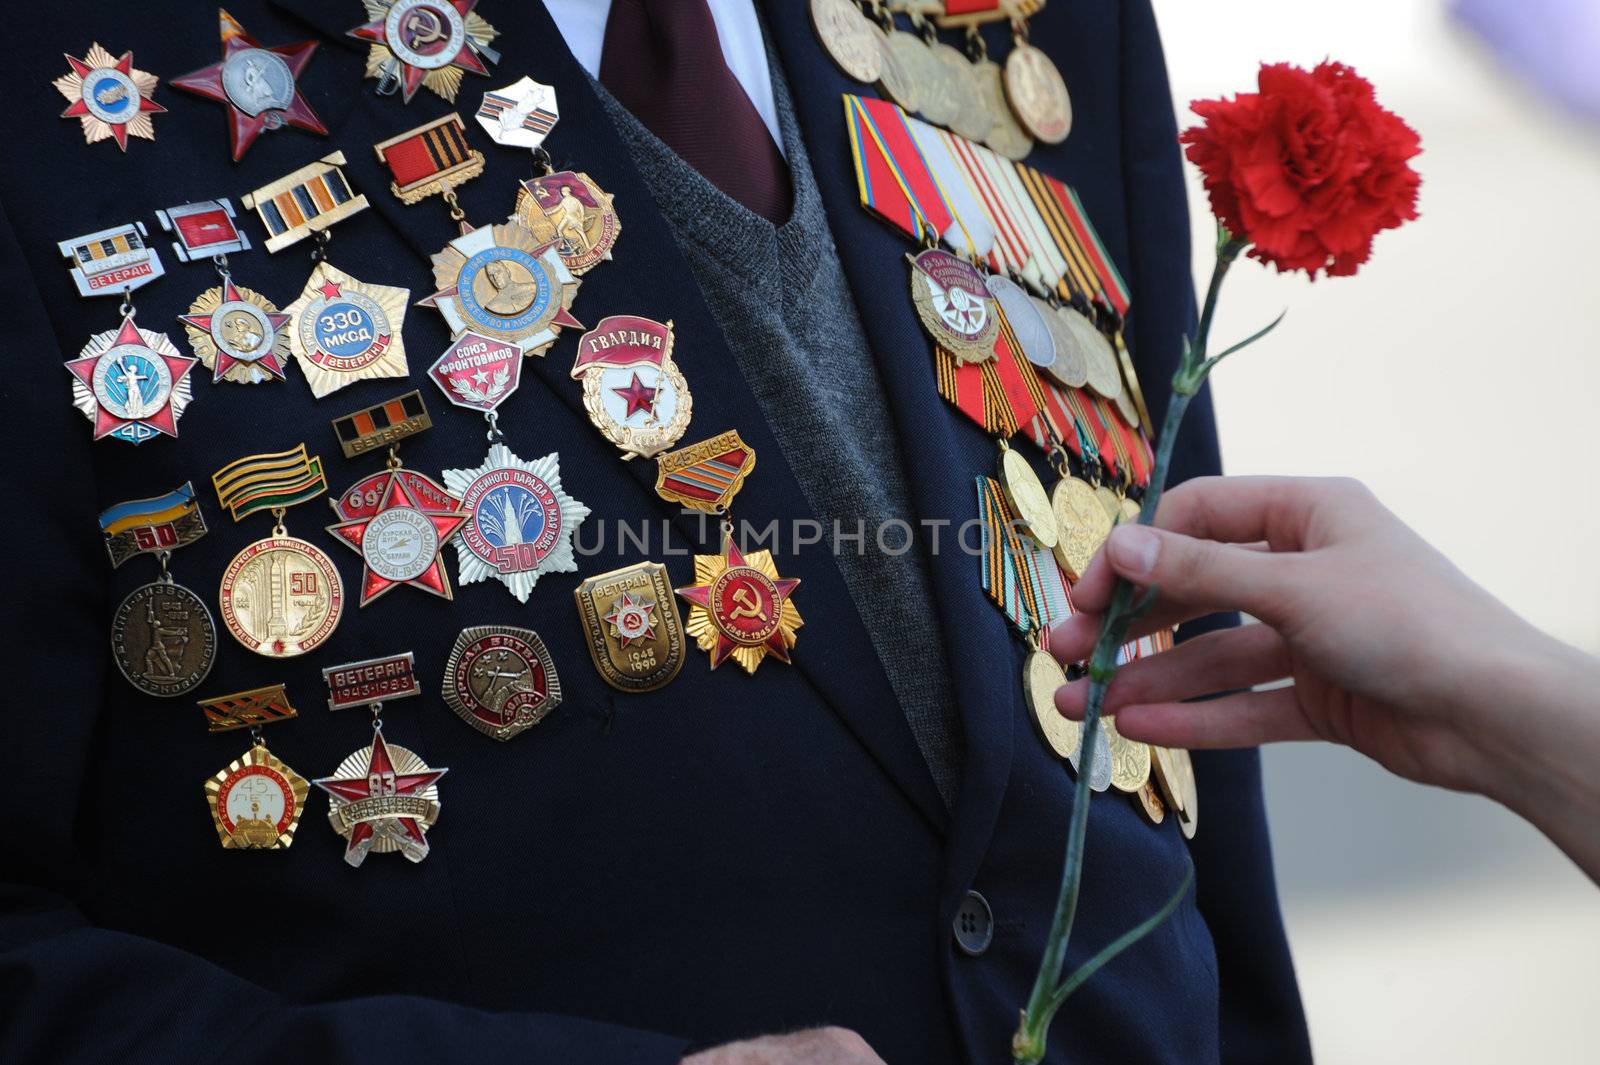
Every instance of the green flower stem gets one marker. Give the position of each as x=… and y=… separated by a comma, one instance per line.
x=1049, y=990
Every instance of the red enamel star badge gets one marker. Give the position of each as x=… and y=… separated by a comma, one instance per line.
x=109, y=97
x=742, y=608
x=640, y=397
x=383, y=803
x=271, y=361
x=141, y=386
x=257, y=84
x=632, y=619
x=400, y=541
x=430, y=41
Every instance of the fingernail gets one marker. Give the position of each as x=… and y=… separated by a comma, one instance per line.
x=1134, y=548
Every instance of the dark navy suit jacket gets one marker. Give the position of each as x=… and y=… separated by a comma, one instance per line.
x=641, y=873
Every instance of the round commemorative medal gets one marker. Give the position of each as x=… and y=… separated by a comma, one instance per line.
x=1082, y=522
x=846, y=35
x=935, y=99
x=131, y=383
x=163, y=639
x=1150, y=804
x=256, y=802
x=1027, y=498
x=501, y=680
x=1041, y=676
x=109, y=97
x=1005, y=135
x=1099, y=357
x=1038, y=343
x=1071, y=366
x=570, y=209
x=1130, y=759
x=498, y=281
x=972, y=119
x=342, y=330
x=238, y=334
x=895, y=79
x=1037, y=94
x=520, y=523
x=1174, y=775
x=954, y=305
x=281, y=597
x=1100, y=772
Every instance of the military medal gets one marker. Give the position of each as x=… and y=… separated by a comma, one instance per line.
x=1035, y=91
x=109, y=97
x=131, y=383
x=501, y=680
x=634, y=393
x=341, y=330
x=383, y=798
x=429, y=43
x=740, y=607
x=397, y=520
x=280, y=596
x=256, y=85
x=521, y=522
x=237, y=332
x=632, y=626
x=846, y=34
x=1082, y=523
x=256, y=800
x=162, y=636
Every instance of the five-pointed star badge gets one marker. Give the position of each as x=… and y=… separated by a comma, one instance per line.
x=632, y=619
x=271, y=361
x=742, y=609
x=157, y=411
x=258, y=85
x=110, y=97
x=381, y=781
x=399, y=543
x=422, y=32
x=640, y=397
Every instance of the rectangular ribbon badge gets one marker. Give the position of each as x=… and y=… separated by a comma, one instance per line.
x=379, y=426
x=112, y=261
x=430, y=159
x=268, y=482
x=247, y=709
x=305, y=202
x=162, y=523
x=374, y=680
x=203, y=229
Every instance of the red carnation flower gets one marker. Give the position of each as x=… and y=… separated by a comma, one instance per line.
x=1307, y=170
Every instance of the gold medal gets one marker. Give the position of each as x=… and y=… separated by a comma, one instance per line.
x=1130, y=512
x=1071, y=365
x=1130, y=386
x=847, y=36
x=1174, y=774
x=741, y=608
x=1150, y=804
x=569, y=209
x=1130, y=759
x=238, y=334
x=1083, y=525
x=1027, y=497
x=935, y=99
x=280, y=596
x=896, y=80
x=256, y=800
x=1005, y=135
x=1042, y=675
x=1111, y=502
x=1101, y=371
x=971, y=119
x=1037, y=94
x=632, y=626
x=342, y=330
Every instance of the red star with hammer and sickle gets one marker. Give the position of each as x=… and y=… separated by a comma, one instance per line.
x=411, y=79
x=639, y=397
x=244, y=128
x=629, y=605
x=700, y=594
x=163, y=419
x=270, y=362
x=79, y=108
x=381, y=781
x=398, y=495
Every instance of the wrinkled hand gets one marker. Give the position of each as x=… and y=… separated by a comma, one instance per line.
x=1387, y=644
x=814, y=1046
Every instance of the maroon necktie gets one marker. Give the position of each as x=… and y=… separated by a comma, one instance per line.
x=663, y=61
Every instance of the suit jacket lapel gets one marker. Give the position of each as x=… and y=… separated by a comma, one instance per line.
x=647, y=276
x=939, y=448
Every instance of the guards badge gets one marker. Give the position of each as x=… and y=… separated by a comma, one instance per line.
x=633, y=391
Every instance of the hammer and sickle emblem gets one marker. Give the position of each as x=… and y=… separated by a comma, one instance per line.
x=425, y=27
x=748, y=605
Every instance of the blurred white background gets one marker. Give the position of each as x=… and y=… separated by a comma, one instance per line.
x=1458, y=377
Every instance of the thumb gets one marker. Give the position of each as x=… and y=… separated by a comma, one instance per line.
x=1201, y=573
